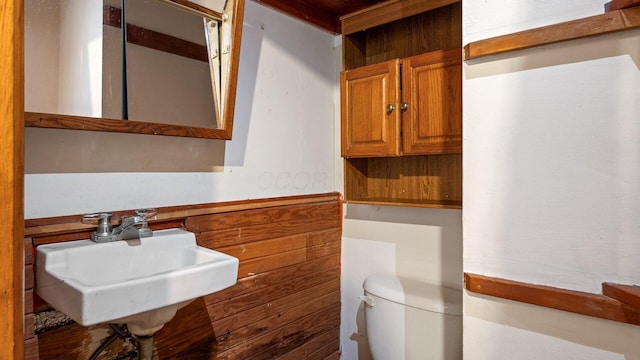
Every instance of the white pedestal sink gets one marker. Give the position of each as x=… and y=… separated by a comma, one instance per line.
x=141, y=282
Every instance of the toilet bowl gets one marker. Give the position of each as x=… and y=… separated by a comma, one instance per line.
x=411, y=319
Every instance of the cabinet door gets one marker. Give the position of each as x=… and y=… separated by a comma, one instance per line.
x=370, y=118
x=432, y=92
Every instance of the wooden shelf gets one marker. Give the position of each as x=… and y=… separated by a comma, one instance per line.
x=387, y=12
x=614, y=21
x=628, y=294
x=410, y=203
x=596, y=305
x=433, y=181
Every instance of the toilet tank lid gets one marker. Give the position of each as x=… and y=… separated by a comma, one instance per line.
x=415, y=293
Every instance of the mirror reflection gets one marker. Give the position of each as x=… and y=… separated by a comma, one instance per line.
x=178, y=66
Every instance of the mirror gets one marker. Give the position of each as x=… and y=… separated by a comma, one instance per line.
x=177, y=74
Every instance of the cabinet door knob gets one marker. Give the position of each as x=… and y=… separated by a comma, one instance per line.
x=404, y=106
x=390, y=108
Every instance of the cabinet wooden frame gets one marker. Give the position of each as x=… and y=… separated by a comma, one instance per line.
x=433, y=181
x=422, y=165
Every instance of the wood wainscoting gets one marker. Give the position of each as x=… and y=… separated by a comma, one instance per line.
x=286, y=304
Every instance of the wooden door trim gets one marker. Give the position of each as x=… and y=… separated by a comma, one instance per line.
x=11, y=179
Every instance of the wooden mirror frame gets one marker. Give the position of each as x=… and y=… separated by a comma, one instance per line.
x=71, y=122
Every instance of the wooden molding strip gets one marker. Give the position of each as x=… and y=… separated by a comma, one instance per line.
x=307, y=11
x=622, y=4
x=628, y=294
x=71, y=223
x=619, y=20
x=387, y=12
x=155, y=40
x=578, y=302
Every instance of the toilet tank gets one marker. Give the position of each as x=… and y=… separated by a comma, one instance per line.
x=412, y=320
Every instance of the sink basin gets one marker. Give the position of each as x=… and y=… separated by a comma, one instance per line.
x=141, y=282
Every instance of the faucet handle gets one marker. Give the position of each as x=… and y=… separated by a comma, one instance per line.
x=146, y=213
x=103, y=220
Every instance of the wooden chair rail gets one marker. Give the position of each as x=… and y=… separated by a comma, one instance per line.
x=621, y=4
x=618, y=303
x=613, y=21
x=170, y=215
x=628, y=294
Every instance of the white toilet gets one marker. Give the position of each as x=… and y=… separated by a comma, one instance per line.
x=411, y=319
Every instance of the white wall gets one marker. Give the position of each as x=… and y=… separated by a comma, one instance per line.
x=551, y=174
x=285, y=143
x=282, y=142
x=424, y=244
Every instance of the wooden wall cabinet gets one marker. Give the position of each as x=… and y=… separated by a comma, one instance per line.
x=398, y=107
x=401, y=104
x=370, y=113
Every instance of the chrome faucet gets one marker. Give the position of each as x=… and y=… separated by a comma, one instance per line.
x=131, y=227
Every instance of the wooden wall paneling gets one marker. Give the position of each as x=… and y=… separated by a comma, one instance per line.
x=31, y=349
x=356, y=170
x=354, y=50
x=324, y=243
x=28, y=301
x=286, y=338
x=31, y=345
x=228, y=237
x=297, y=275
x=316, y=348
x=286, y=300
x=248, y=318
x=434, y=30
x=28, y=277
x=78, y=231
x=424, y=32
x=252, y=291
x=247, y=251
x=189, y=335
x=335, y=356
x=238, y=332
x=76, y=342
x=28, y=251
x=266, y=263
x=29, y=326
x=70, y=224
x=246, y=218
